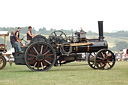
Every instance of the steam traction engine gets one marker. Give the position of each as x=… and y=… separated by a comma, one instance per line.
x=42, y=53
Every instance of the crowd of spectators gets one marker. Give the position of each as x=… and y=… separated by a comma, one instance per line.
x=121, y=57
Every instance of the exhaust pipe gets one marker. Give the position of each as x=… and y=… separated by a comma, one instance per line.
x=100, y=26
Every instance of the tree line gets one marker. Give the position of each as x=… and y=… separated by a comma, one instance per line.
x=44, y=31
x=40, y=31
x=119, y=45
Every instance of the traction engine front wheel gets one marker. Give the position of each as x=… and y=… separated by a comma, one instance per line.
x=104, y=59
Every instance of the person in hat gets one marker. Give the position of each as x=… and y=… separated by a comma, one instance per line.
x=82, y=31
x=17, y=34
x=29, y=34
x=82, y=35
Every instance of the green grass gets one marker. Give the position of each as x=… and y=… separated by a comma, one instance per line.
x=70, y=74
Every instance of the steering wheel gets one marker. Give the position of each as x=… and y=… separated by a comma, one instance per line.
x=57, y=37
x=59, y=33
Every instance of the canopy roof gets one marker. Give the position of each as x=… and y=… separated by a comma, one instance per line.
x=4, y=33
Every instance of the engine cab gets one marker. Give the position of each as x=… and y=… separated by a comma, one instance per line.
x=81, y=36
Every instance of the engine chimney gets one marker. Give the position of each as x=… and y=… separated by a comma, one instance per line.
x=100, y=26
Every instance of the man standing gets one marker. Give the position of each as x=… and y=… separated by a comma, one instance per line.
x=17, y=34
x=13, y=41
x=29, y=34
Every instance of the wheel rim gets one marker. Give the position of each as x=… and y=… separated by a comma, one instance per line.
x=91, y=61
x=105, y=59
x=2, y=62
x=40, y=56
x=38, y=38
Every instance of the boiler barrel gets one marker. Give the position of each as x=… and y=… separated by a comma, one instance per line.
x=96, y=46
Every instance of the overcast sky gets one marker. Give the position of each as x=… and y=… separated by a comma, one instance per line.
x=65, y=14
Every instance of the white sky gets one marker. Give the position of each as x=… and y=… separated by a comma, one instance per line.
x=65, y=14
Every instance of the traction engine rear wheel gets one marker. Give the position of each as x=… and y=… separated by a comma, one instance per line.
x=104, y=59
x=2, y=62
x=38, y=38
x=40, y=56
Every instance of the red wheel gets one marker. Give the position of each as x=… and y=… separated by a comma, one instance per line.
x=2, y=62
x=40, y=56
x=104, y=59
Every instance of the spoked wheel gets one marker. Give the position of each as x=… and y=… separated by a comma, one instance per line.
x=2, y=62
x=91, y=62
x=57, y=37
x=40, y=56
x=59, y=33
x=104, y=59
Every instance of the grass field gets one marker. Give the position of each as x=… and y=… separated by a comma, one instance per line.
x=70, y=74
